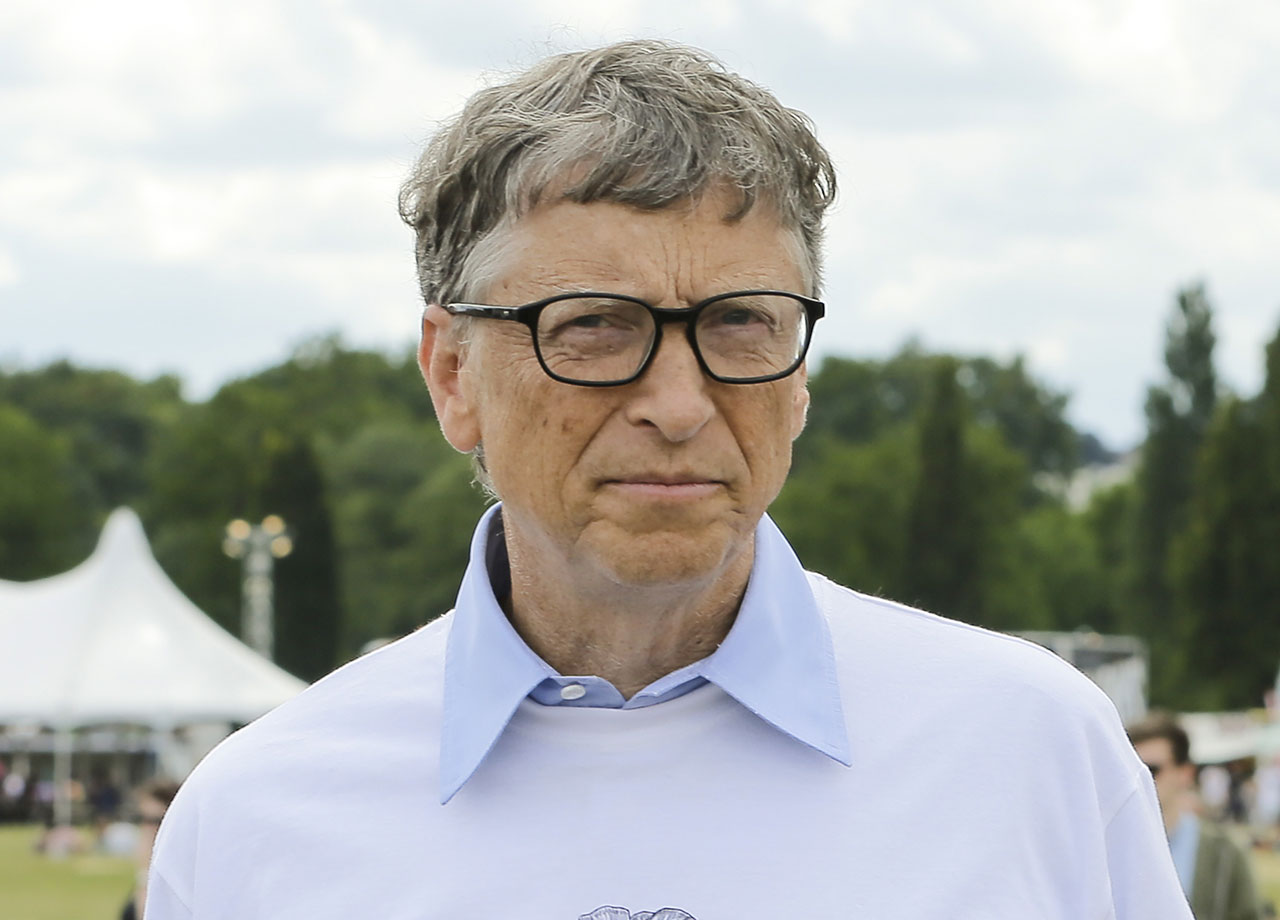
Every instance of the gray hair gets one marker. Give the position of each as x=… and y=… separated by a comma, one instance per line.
x=649, y=124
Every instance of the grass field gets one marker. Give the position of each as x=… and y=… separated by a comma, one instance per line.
x=34, y=887
x=1267, y=870
x=95, y=887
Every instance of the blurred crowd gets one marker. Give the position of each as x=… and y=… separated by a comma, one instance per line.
x=1212, y=816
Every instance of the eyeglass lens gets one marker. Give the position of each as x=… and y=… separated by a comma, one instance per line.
x=601, y=339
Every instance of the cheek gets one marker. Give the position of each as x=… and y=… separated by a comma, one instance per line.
x=535, y=440
x=765, y=432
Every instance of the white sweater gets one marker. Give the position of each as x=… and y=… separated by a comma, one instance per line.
x=989, y=780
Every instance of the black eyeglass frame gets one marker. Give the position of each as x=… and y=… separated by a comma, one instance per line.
x=529, y=313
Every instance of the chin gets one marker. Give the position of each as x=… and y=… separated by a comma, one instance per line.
x=666, y=557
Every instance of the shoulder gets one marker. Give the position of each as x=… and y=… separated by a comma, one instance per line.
x=365, y=702
x=925, y=645
x=983, y=697
x=368, y=725
x=1223, y=874
x=1217, y=842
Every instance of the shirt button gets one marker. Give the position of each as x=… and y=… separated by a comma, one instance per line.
x=572, y=692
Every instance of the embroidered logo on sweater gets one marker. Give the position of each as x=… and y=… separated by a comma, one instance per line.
x=621, y=913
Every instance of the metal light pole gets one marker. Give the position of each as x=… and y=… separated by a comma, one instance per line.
x=258, y=546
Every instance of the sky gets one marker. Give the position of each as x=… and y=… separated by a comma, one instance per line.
x=199, y=187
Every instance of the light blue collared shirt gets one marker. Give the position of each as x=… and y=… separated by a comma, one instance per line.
x=1183, y=844
x=777, y=660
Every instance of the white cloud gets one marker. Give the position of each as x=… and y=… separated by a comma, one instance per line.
x=628, y=18
x=1183, y=60
x=9, y=273
x=389, y=90
x=837, y=19
x=1050, y=353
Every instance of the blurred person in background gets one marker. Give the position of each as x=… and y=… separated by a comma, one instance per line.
x=1265, y=814
x=104, y=798
x=1215, y=790
x=152, y=801
x=1214, y=872
x=14, y=803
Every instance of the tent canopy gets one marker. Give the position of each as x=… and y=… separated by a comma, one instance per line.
x=1221, y=737
x=113, y=640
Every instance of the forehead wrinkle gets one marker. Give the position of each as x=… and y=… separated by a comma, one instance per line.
x=689, y=275
x=577, y=274
x=664, y=261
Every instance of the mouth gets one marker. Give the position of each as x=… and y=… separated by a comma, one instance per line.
x=665, y=486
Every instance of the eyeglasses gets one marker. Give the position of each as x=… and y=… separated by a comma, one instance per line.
x=604, y=340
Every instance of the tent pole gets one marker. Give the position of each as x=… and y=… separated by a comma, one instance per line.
x=63, y=743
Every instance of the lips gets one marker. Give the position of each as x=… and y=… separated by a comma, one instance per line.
x=662, y=479
x=664, y=488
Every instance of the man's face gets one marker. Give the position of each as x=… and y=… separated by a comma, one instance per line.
x=1173, y=781
x=660, y=481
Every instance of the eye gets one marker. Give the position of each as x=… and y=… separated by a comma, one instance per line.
x=592, y=322
x=740, y=314
x=597, y=321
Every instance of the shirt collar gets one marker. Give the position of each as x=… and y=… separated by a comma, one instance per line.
x=777, y=659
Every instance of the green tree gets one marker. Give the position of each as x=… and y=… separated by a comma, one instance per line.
x=933, y=511
x=42, y=521
x=1224, y=560
x=109, y=421
x=1107, y=520
x=846, y=512
x=1178, y=415
x=1062, y=571
x=851, y=514
x=405, y=509
x=216, y=463
x=943, y=544
x=333, y=391
x=961, y=540
x=207, y=469
x=308, y=608
x=439, y=517
x=1224, y=564
x=855, y=401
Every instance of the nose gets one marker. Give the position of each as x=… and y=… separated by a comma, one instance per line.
x=673, y=395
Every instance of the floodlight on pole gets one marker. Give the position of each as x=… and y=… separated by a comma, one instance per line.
x=257, y=546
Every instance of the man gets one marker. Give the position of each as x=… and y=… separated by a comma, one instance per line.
x=152, y=801
x=642, y=706
x=1214, y=873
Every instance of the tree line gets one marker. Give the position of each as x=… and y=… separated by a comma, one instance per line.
x=929, y=478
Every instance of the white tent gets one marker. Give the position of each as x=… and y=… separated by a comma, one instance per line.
x=1221, y=737
x=114, y=641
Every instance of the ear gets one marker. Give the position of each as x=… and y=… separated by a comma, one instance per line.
x=800, y=401
x=441, y=357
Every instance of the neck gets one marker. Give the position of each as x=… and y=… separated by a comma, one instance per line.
x=1172, y=818
x=631, y=635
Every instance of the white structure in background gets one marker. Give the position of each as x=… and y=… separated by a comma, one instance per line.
x=1221, y=737
x=1117, y=664
x=113, y=642
x=1078, y=490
